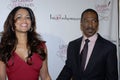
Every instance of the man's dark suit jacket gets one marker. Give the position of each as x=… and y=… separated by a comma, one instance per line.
x=102, y=64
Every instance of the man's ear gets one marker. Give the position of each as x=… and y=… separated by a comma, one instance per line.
x=81, y=26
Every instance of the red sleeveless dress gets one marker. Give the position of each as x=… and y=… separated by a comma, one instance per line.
x=18, y=69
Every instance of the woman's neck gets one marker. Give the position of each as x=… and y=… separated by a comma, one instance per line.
x=22, y=38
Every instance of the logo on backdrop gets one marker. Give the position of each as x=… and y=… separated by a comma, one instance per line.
x=25, y=3
x=62, y=51
x=103, y=8
x=62, y=17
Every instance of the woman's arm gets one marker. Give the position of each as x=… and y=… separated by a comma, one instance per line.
x=44, y=73
x=2, y=71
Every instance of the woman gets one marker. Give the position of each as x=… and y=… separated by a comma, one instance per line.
x=23, y=54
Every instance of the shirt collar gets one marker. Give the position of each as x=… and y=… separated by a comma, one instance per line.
x=92, y=38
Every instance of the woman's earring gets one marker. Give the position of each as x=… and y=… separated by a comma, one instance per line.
x=31, y=29
x=12, y=29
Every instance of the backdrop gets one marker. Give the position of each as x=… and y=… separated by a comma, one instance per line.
x=58, y=22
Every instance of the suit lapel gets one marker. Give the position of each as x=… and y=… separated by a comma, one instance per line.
x=77, y=49
x=77, y=54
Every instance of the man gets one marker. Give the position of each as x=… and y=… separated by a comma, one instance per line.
x=101, y=61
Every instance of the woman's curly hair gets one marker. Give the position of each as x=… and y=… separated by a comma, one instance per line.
x=9, y=40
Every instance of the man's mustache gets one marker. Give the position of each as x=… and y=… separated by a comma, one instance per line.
x=89, y=28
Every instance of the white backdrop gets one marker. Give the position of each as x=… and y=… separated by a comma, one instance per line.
x=58, y=21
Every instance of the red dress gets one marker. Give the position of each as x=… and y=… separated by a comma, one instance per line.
x=20, y=70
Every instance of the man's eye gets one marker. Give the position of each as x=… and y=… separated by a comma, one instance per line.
x=85, y=21
x=94, y=21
